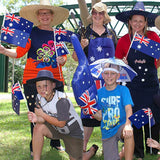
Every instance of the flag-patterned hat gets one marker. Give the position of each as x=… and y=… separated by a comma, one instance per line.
x=30, y=12
x=137, y=10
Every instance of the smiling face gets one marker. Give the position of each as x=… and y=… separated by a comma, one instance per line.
x=45, y=17
x=110, y=77
x=45, y=88
x=98, y=17
x=138, y=23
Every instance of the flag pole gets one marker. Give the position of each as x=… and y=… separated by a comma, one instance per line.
x=131, y=44
x=149, y=116
x=56, y=51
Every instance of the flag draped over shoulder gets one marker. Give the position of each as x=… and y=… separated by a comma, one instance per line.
x=16, y=97
x=146, y=45
x=142, y=117
x=16, y=30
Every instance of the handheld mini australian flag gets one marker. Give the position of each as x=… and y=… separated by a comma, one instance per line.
x=142, y=117
x=83, y=85
x=146, y=45
x=16, y=97
x=63, y=35
x=16, y=30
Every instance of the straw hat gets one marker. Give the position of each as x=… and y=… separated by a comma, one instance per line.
x=100, y=7
x=137, y=10
x=45, y=75
x=30, y=12
x=157, y=22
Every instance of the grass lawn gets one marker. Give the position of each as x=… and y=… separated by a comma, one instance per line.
x=15, y=136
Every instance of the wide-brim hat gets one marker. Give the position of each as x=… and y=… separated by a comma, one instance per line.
x=157, y=22
x=45, y=75
x=137, y=10
x=29, y=12
x=100, y=7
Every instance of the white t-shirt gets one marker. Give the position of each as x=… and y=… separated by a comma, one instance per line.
x=63, y=112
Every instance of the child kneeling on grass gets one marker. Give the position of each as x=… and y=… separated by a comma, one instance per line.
x=56, y=118
x=116, y=106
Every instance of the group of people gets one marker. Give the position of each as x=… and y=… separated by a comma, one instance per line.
x=52, y=114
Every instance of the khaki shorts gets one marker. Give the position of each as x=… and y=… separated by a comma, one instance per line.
x=73, y=146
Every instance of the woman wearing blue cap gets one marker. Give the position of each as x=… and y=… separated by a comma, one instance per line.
x=144, y=86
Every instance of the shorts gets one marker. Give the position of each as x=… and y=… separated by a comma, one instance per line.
x=90, y=122
x=73, y=146
x=111, y=153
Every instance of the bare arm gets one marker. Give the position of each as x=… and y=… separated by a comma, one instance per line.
x=52, y=120
x=153, y=143
x=8, y=52
x=127, y=130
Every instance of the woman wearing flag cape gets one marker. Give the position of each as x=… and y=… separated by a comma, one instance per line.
x=144, y=86
x=97, y=42
x=41, y=48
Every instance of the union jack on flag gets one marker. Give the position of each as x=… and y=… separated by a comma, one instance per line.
x=62, y=49
x=16, y=90
x=142, y=117
x=16, y=30
x=63, y=35
x=89, y=103
x=146, y=46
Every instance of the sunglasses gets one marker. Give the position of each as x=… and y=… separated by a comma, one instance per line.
x=100, y=13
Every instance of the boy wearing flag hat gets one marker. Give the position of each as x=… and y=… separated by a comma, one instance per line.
x=116, y=106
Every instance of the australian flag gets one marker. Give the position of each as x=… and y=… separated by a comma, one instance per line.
x=62, y=49
x=16, y=97
x=142, y=117
x=63, y=35
x=16, y=30
x=146, y=45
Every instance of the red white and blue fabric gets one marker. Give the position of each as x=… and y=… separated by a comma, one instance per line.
x=126, y=72
x=146, y=46
x=142, y=117
x=16, y=90
x=16, y=97
x=16, y=30
x=83, y=85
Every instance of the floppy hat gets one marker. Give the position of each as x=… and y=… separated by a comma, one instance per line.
x=157, y=22
x=100, y=7
x=45, y=75
x=137, y=10
x=30, y=12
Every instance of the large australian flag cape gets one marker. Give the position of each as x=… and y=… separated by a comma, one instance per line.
x=83, y=85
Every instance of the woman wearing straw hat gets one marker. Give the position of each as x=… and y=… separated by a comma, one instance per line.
x=44, y=16
x=97, y=42
x=144, y=86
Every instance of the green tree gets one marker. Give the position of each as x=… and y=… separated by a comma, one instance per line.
x=69, y=69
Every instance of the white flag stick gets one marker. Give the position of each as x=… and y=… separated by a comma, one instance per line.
x=150, y=135
x=56, y=51
x=131, y=44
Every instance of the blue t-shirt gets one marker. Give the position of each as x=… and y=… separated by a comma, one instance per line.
x=112, y=104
